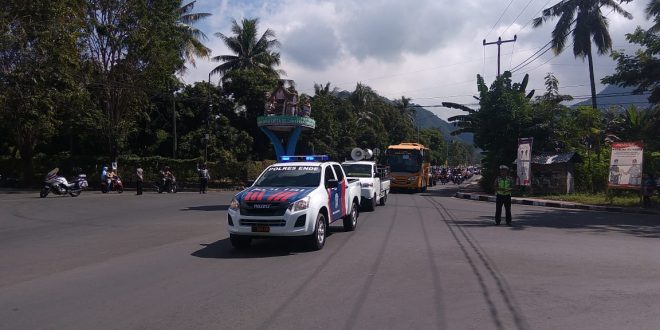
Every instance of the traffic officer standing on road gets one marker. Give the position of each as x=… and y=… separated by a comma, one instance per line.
x=139, y=172
x=503, y=185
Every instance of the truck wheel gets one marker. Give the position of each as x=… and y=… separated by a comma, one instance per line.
x=317, y=239
x=240, y=242
x=370, y=204
x=383, y=199
x=350, y=221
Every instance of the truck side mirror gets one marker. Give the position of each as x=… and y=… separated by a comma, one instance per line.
x=332, y=183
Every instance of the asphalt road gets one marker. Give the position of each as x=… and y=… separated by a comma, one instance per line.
x=424, y=261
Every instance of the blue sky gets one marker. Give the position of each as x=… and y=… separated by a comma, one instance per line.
x=429, y=50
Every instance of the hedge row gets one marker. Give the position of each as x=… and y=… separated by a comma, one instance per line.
x=226, y=172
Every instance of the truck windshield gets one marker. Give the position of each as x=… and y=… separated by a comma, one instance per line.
x=404, y=162
x=290, y=176
x=357, y=170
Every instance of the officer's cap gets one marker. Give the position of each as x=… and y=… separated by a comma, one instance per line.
x=504, y=167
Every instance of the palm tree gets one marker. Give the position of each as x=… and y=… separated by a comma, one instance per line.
x=653, y=11
x=585, y=21
x=362, y=95
x=250, y=53
x=324, y=90
x=193, y=47
x=407, y=111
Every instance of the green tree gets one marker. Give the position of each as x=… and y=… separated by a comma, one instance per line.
x=131, y=51
x=322, y=90
x=248, y=74
x=435, y=141
x=503, y=116
x=642, y=69
x=585, y=20
x=653, y=12
x=250, y=52
x=550, y=121
x=193, y=46
x=39, y=64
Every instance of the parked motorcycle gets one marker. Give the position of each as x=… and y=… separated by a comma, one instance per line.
x=60, y=186
x=112, y=184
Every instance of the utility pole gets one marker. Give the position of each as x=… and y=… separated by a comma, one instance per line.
x=498, y=43
x=206, y=136
x=174, y=124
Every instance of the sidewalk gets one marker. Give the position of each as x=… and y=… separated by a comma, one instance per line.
x=471, y=190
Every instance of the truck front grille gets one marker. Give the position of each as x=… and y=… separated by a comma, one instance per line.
x=272, y=223
x=263, y=209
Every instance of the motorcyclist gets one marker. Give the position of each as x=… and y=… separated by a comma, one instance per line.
x=166, y=176
x=112, y=175
x=104, y=176
x=62, y=182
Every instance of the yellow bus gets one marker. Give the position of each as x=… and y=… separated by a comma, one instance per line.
x=410, y=166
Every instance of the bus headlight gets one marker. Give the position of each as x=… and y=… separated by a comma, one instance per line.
x=412, y=179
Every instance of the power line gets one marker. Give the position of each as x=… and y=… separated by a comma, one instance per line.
x=531, y=56
x=520, y=66
x=515, y=19
x=498, y=20
x=533, y=16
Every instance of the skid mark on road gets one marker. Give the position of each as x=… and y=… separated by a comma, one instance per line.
x=491, y=271
x=301, y=288
x=435, y=275
x=362, y=296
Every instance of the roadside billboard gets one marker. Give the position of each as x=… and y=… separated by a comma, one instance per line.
x=626, y=165
x=524, y=162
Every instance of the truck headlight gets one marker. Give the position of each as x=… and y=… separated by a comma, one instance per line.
x=299, y=205
x=412, y=178
x=234, y=204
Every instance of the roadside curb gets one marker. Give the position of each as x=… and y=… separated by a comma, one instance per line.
x=557, y=204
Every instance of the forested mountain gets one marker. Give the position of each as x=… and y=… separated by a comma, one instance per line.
x=618, y=97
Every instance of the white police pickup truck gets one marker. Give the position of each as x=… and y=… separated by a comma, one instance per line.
x=374, y=180
x=294, y=198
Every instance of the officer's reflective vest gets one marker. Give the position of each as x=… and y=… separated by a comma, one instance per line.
x=504, y=186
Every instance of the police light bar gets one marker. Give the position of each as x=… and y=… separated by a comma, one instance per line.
x=308, y=158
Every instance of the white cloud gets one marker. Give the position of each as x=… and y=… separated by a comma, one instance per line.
x=430, y=50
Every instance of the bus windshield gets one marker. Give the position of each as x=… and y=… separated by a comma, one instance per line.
x=357, y=170
x=404, y=162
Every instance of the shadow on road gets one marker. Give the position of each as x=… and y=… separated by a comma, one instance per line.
x=260, y=248
x=206, y=208
x=597, y=222
x=444, y=192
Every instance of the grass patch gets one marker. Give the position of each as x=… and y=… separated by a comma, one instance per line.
x=625, y=199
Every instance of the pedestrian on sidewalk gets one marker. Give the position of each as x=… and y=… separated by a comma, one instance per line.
x=204, y=177
x=139, y=172
x=503, y=186
x=648, y=188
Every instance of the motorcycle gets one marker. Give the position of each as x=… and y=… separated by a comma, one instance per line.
x=60, y=186
x=113, y=184
x=457, y=179
x=166, y=184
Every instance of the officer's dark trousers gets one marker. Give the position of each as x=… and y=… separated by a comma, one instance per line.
x=203, y=183
x=499, y=201
x=138, y=185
